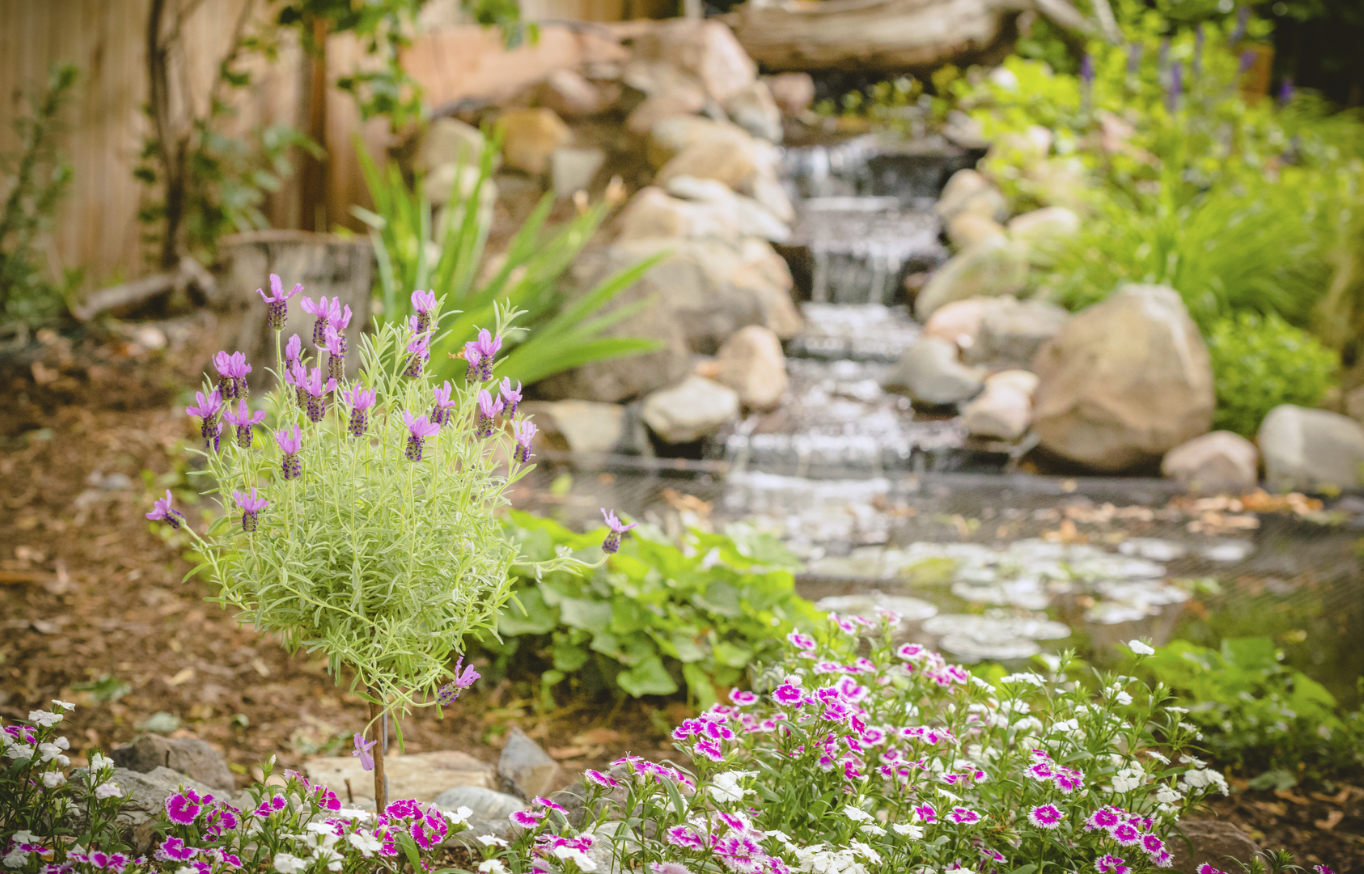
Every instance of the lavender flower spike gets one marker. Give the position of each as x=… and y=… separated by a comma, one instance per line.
x=1134, y=59
x=424, y=302
x=323, y=309
x=487, y=347
x=278, y=301
x=440, y=413
x=511, y=396
x=292, y=350
x=242, y=420
x=464, y=678
x=162, y=511
x=1242, y=22
x=612, y=542
x=290, y=442
x=487, y=414
x=298, y=378
x=1286, y=90
x=361, y=751
x=335, y=344
x=419, y=352
x=1248, y=58
x=208, y=411
x=317, y=395
x=418, y=429
x=1087, y=70
x=524, y=432
x=251, y=505
x=1176, y=87
x=360, y=400
x=232, y=371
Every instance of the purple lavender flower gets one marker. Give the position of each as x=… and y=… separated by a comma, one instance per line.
x=418, y=429
x=289, y=444
x=440, y=413
x=424, y=302
x=325, y=310
x=480, y=354
x=278, y=301
x=251, y=505
x=1242, y=22
x=1134, y=54
x=612, y=542
x=1286, y=90
x=232, y=371
x=419, y=352
x=242, y=420
x=1087, y=70
x=1196, y=65
x=1247, y=61
x=292, y=350
x=298, y=378
x=524, y=432
x=335, y=344
x=207, y=410
x=361, y=751
x=510, y=396
x=1176, y=87
x=464, y=678
x=360, y=400
x=487, y=414
x=162, y=511
x=317, y=395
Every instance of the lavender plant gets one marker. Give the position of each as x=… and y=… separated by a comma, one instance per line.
x=366, y=529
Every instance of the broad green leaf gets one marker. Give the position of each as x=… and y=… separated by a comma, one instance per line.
x=535, y=617
x=593, y=616
x=649, y=677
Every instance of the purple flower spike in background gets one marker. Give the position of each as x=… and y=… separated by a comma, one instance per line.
x=335, y=344
x=524, y=432
x=487, y=414
x=1176, y=87
x=1134, y=59
x=232, y=371
x=361, y=751
x=1286, y=91
x=317, y=395
x=440, y=413
x=162, y=511
x=612, y=542
x=242, y=420
x=418, y=429
x=1242, y=22
x=251, y=505
x=207, y=410
x=1087, y=69
x=278, y=301
x=1247, y=61
x=298, y=378
x=483, y=350
x=464, y=678
x=290, y=442
x=510, y=396
x=360, y=400
x=418, y=353
x=323, y=309
x=424, y=302
x=1196, y=65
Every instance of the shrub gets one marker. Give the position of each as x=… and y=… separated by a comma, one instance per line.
x=1261, y=362
x=654, y=616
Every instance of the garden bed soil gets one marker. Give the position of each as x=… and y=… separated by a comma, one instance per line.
x=98, y=609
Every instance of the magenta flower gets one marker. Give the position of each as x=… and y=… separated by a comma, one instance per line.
x=800, y=641
x=788, y=695
x=251, y=505
x=289, y=444
x=183, y=808
x=742, y=697
x=1047, y=816
x=1125, y=834
x=360, y=400
x=1042, y=772
x=911, y=652
x=612, y=542
x=361, y=751
x=1110, y=864
x=174, y=849
x=207, y=410
x=480, y=353
x=1103, y=818
x=545, y=802
x=242, y=420
x=418, y=429
x=335, y=344
x=1068, y=779
x=524, y=432
x=424, y=302
x=162, y=511
x=317, y=395
x=440, y=413
x=487, y=414
x=1153, y=845
x=278, y=301
x=684, y=837
x=464, y=678
x=526, y=818
x=510, y=396
x=419, y=352
x=232, y=371
x=271, y=805
x=600, y=779
x=926, y=813
x=1322, y=869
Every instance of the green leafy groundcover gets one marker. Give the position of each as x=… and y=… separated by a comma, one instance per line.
x=655, y=617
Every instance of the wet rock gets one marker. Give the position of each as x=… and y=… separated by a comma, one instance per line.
x=572, y=170
x=190, y=756
x=751, y=362
x=957, y=322
x=1043, y=228
x=570, y=95
x=579, y=426
x=969, y=191
x=1216, y=462
x=526, y=768
x=993, y=267
x=930, y=373
x=421, y=776
x=1000, y=412
x=969, y=227
x=1124, y=381
x=1311, y=449
x=755, y=110
x=450, y=141
x=793, y=92
x=1012, y=331
x=529, y=137
x=705, y=49
x=690, y=410
x=489, y=816
x=1213, y=843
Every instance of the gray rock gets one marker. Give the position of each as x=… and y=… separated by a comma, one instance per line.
x=793, y=92
x=705, y=49
x=570, y=94
x=573, y=799
x=968, y=228
x=970, y=191
x=579, y=426
x=490, y=812
x=1213, y=843
x=1311, y=449
x=611, y=840
x=991, y=267
x=186, y=755
x=1001, y=412
x=747, y=216
x=1043, y=228
x=450, y=141
x=1012, y=331
x=690, y=410
x=145, y=796
x=752, y=363
x=524, y=767
x=930, y=373
x=1124, y=381
x=572, y=170
x=755, y=110
x=1216, y=462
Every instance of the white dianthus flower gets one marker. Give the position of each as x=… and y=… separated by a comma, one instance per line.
x=53, y=779
x=286, y=863
x=1140, y=648
x=913, y=832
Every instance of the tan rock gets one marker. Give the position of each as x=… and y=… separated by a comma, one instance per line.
x=971, y=191
x=578, y=426
x=793, y=92
x=966, y=228
x=706, y=49
x=957, y=322
x=1019, y=380
x=1217, y=462
x=754, y=110
x=570, y=95
x=752, y=363
x=662, y=107
x=690, y=410
x=530, y=136
x=572, y=170
x=420, y=776
x=1044, y=227
x=652, y=213
x=450, y=141
x=1000, y=412
x=992, y=267
x=730, y=159
x=669, y=136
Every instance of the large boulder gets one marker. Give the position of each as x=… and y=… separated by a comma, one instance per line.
x=530, y=136
x=930, y=374
x=751, y=362
x=421, y=776
x=1216, y=462
x=144, y=798
x=489, y=816
x=1124, y=381
x=1311, y=449
x=525, y=768
x=705, y=49
x=968, y=228
x=579, y=426
x=1011, y=331
x=186, y=755
x=690, y=410
x=993, y=267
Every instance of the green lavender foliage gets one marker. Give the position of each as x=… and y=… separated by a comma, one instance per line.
x=655, y=617
x=383, y=564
